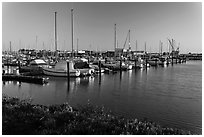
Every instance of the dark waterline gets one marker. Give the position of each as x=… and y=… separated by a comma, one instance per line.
x=171, y=96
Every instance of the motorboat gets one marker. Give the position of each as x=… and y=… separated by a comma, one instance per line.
x=35, y=67
x=83, y=66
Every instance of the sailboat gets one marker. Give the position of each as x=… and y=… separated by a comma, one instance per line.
x=60, y=70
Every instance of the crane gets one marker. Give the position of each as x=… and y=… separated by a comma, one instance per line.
x=128, y=36
x=172, y=43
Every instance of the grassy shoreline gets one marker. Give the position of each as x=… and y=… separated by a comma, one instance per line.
x=20, y=117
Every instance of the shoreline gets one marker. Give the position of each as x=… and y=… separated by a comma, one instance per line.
x=20, y=117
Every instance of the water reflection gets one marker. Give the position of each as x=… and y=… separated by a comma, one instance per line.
x=4, y=83
x=99, y=80
x=130, y=74
x=91, y=80
x=72, y=85
x=120, y=76
x=68, y=87
x=84, y=82
x=164, y=93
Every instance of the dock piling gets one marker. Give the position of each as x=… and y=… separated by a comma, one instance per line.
x=172, y=61
x=68, y=76
x=99, y=65
x=7, y=66
x=120, y=65
x=19, y=66
x=156, y=62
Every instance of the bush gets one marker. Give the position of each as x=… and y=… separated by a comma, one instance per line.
x=21, y=117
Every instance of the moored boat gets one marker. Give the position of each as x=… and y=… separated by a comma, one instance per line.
x=162, y=61
x=82, y=65
x=153, y=62
x=60, y=70
x=116, y=66
x=35, y=67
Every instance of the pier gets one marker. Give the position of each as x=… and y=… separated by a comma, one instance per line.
x=21, y=78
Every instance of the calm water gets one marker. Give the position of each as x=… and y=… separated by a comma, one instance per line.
x=171, y=96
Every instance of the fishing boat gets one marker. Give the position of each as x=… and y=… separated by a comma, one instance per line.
x=60, y=70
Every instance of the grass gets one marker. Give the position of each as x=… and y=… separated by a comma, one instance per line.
x=20, y=117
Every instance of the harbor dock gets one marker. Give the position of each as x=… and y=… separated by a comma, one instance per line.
x=21, y=78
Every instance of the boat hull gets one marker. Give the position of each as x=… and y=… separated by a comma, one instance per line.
x=60, y=73
x=86, y=72
x=153, y=62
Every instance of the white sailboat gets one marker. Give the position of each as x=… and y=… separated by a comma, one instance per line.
x=60, y=70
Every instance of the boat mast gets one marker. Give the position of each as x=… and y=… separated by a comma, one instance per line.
x=145, y=47
x=43, y=45
x=161, y=47
x=36, y=40
x=10, y=47
x=115, y=40
x=77, y=45
x=129, y=40
x=19, y=44
x=56, y=31
x=136, y=48
x=72, y=30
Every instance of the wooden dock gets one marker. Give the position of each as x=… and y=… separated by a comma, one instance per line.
x=21, y=78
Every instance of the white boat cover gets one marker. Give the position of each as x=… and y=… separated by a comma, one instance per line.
x=38, y=62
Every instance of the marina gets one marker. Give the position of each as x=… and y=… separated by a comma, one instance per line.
x=134, y=93
x=101, y=68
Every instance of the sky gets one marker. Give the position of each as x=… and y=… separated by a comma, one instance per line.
x=31, y=25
